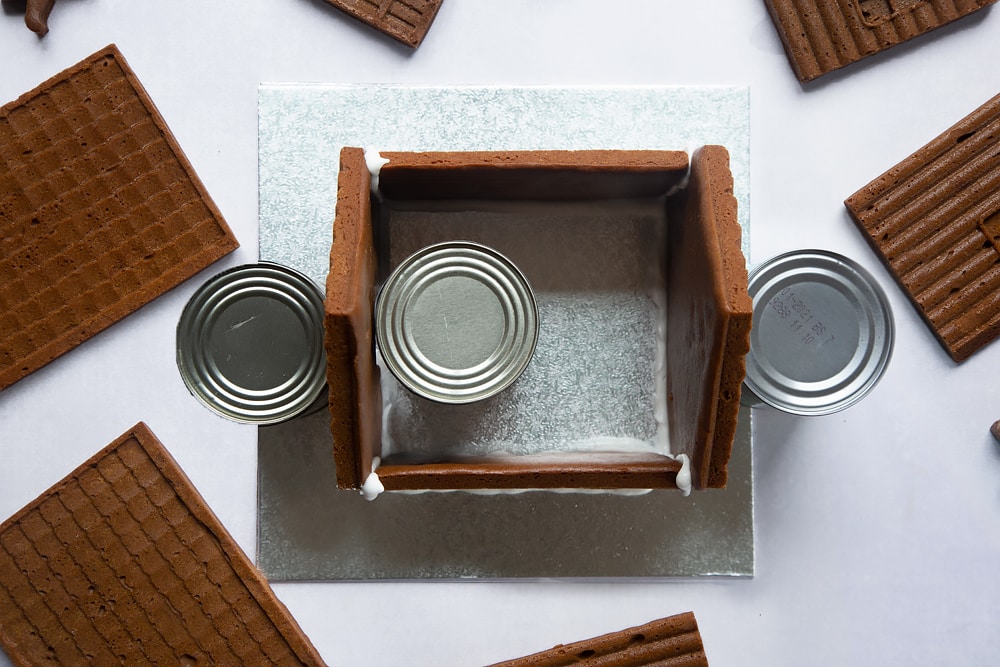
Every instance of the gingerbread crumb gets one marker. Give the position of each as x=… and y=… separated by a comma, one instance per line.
x=36, y=15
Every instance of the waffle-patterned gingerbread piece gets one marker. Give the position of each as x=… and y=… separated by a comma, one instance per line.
x=673, y=641
x=100, y=211
x=824, y=35
x=122, y=562
x=934, y=220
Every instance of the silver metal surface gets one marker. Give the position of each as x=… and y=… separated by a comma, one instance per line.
x=250, y=344
x=456, y=322
x=308, y=530
x=311, y=531
x=594, y=381
x=301, y=128
x=822, y=333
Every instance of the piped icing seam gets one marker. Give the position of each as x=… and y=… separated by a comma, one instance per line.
x=374, y=161
x=373, y=487
x=684, y=474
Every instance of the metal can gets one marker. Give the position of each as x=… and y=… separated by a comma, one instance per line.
x=456, y=322
x=822, y=333
x=250, y=344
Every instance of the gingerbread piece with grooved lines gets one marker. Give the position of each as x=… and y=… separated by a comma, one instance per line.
x=821, y=36
x=934, y=220
x=673, y=641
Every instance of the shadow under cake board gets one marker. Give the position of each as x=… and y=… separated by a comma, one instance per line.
x=309, y=530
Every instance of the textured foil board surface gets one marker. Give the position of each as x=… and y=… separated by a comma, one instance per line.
x=302, y=127
x=309, y=530
x=596, y=273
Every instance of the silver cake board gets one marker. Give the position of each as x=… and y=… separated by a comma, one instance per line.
x=308, y=530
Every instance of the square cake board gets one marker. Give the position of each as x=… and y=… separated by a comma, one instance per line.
x=308, y=530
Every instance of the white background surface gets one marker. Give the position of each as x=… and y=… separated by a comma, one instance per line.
x=878, y=529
